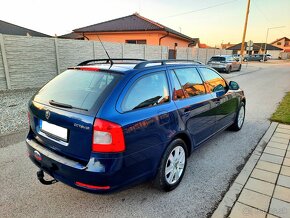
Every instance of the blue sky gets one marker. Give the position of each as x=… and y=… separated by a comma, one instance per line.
x=213, y=26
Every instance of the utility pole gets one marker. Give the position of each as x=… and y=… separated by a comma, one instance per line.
x=245, y=30
x=265, y=48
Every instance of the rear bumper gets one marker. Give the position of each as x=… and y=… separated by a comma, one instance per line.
x=101, y=175
x=219, y=67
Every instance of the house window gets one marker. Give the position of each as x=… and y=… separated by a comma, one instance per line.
x=278, y=43
x=143, y=41
x=287, y=43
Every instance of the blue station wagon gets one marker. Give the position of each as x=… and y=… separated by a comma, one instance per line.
x=108, y=124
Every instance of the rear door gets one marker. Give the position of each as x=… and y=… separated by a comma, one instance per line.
x=193, y=103
x=225, y=102
x=63, y=111
x=233, y=62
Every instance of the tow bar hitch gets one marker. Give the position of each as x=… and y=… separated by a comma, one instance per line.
x=40, y=177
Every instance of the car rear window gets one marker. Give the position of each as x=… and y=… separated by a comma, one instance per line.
x=217, y=59
x=78, y=88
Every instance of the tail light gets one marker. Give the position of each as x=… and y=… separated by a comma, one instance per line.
x=28, y=116
x=107, y=137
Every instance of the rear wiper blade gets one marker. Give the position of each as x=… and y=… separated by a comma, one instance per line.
x=55, y=103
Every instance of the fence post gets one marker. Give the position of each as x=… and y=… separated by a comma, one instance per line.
x=5, y=63
x=123, y=50
x=56, y=56
x=161, y=52
x=94, y=50
x=145, y=51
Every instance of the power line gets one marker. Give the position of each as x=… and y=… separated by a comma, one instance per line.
x=201, y=9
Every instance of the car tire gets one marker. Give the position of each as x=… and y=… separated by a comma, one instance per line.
x=240, y=67
x=229, y=69
x=240, y=118
x=172, y=166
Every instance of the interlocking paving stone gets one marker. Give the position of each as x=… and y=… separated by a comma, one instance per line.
x=264, y=175
x=275, y=151
x=277, y=145
x=263, y=187
x=285, y=171
x=284, y=126
x=275, y=168
x=281, y=130
x=271, y=158
x=271, y=216
x=286, y=162
x=242, y=210
x=280, y=208
x=228, y=201
x=280, y=140
x=255, y=199
x=281, y=135
x=288, y=154
x=284, y=181
x=282, y=193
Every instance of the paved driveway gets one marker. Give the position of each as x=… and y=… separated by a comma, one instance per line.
x=210, y=168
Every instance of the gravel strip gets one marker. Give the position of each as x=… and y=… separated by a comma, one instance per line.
x=13, y=110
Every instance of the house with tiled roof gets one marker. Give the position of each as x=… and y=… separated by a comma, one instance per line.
x=283, y=43
x=136, y=29
x=12, y=29
x=258, y=48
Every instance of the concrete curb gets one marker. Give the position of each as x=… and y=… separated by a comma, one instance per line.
x=233, y=193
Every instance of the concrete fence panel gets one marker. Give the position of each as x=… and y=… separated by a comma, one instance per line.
x=134, y=51
x=31, y=61
x=181, y=53
x=202, y=55
x=155, y=52
x=165, y=51
x=73, y=52
x=115, y=50
x=195, y=53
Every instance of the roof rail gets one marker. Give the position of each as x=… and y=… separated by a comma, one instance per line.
x=108, y=61
x=164, y=62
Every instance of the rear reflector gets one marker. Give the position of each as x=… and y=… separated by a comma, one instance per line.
x=28, y=116
x=94, y=187
x=107, y=137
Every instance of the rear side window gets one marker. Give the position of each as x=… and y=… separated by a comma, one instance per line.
x=147, y=91
x=213, y=81
x=217, y=59
x=80, y=89
x=190, y=81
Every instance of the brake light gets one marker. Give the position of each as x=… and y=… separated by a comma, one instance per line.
x=107, y=137
x=88, y=68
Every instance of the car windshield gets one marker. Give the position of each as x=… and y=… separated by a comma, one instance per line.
x=77, y=89
x=217, y=59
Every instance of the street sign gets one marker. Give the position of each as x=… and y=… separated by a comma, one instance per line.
x=250, y=43
x=249, y=48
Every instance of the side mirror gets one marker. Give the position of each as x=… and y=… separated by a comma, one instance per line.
x=234, y=85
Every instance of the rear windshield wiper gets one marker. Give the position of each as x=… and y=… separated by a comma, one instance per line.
x=55, y=103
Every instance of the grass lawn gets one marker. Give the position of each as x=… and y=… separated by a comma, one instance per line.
x=282, y=114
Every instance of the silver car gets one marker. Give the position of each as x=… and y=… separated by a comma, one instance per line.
x=224, y=63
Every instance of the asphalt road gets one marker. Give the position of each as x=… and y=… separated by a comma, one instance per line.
x=209, y=172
